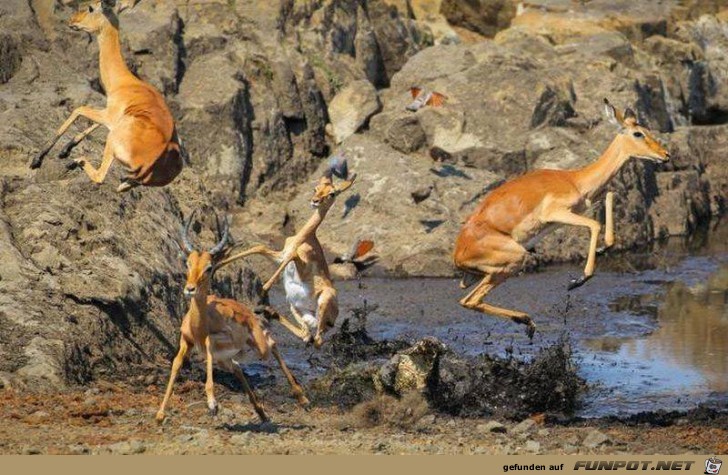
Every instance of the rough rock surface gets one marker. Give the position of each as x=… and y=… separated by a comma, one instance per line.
x=90, y=282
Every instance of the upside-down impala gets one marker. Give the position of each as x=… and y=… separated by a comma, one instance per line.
x=309, y=289
x=142, y=134
x=508, y=222
x=220, y=328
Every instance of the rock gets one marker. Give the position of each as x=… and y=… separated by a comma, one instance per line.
x=351, y=109
x=10, y=57
x=131, y=447
x=486, y=17
x=222, y=152
x=427, y=420
x=78, y=449
x=595, y=439
x=242, y=439
x=533, y=446
x=153, y=33
x=524, y=427
x=682, y=203
x=492, y=426
x=409, y=369
x=405, y=134
x=30, y=450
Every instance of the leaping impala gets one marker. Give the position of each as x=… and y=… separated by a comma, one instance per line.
x=221, y=328
x=511, y=218
x=309, y=289
x=142, y=134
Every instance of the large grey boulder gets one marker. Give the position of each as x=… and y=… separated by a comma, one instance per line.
x=351, y=109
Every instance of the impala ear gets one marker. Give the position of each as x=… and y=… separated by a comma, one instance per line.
x=345, y=185
x=630, y=118
x=125, y=4
x=415, y=91
x=613, y=114
x=108, y=5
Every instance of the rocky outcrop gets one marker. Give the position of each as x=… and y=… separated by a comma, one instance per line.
x=486, y=17
x=351, y=109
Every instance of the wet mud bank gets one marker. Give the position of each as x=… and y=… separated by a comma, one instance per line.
x=643, y=337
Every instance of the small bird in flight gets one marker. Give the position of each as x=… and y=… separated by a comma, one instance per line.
x=423, y=97
x=360, y=248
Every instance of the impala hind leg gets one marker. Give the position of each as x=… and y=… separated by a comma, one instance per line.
x=176, y=365
x=295, y=385
x=493, y=256
x=327, y=312
x=97, y=175
x=474, y=301
x=235, y=369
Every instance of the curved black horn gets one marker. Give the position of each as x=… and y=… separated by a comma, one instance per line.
x=186, y=231
x=223, y=240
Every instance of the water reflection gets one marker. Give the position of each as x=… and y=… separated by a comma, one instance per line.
x=689, y=349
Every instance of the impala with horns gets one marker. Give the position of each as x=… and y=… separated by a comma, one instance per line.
x=220, y=328
x=142, y=135
x=309, y=289
x=512, y=217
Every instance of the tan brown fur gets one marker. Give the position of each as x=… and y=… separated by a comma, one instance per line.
x=305, y=251
x=221, y=328
x=142, y=134
x=492, y=241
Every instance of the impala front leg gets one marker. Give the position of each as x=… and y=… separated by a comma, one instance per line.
x=209, y=383
x=259, y=249
x=176, y=365
x=66, y=150
x=91, y=114
x=609, y=223
x=276, y=275
x=567, y=217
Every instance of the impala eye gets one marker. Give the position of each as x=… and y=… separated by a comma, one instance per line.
x=90, y=9
x=639, y=135
x=208, y=268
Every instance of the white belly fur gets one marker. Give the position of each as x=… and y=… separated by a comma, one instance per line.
x=300, y=294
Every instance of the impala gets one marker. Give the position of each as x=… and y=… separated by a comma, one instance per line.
x=512, y=217
x=309, y=289
x=142, y=134
x=221, y=328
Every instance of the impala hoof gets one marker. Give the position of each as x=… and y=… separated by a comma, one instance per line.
x=602, y=250
x=578, y=282
x=66, y=150
x=160, y=417
x=212, y=408
x=38, y=160
x=531, y=330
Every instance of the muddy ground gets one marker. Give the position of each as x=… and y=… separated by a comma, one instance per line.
x=112, y=418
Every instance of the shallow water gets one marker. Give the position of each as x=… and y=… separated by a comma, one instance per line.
x=649, y=331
